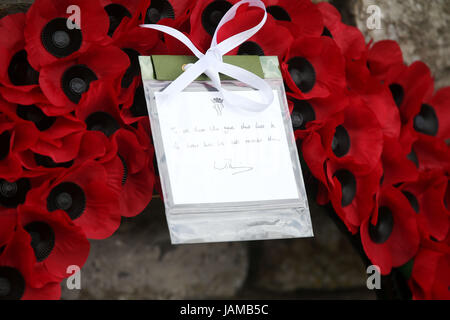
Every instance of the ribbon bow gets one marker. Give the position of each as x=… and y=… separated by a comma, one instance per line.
x=211, y=63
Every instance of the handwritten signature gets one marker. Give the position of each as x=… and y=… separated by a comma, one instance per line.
x=230, y=166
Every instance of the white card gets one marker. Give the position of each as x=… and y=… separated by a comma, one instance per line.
x=216, y=154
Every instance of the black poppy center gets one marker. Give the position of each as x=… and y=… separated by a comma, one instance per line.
x=76, y=80
x=42, y=239
x=397, y=93
x=212, y=15
x=341, y=142
x=426, y=121
x=133, y=69
x=59, y=40
x=348, y=185
x=68, y=197
x=34, y=114
x=326, y=32
x=47, y=162
x=381, y=232
x=412, y=156
x=12, y=284
x=5, y=143
x=13, y=193
x=125, y=170
x=412, y=200
x=159, y=9
x=279, y=13
x=102, y=121
x=302, y=73
x=302, y=113
x=250, y=48
x=20, y=71
x=116, y=13
x=139, y=106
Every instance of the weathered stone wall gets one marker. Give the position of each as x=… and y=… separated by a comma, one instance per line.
x=139, y=262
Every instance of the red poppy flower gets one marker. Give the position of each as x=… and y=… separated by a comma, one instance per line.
x=14, y=138
x=271, y=40
x=314, y=68
x=433, y=118
x=352, y=195
x=378, y=98
x=427, y=197
x=410, y=86
x=16, y=272
x=390, y=235
x=168, y=12
x=8, y=222
x=83, y=193
x=353, y=138
x=56, y=241
x=92, y=145
x=52, y=34
x=65, y=83
x=383, y=57
x=136, y=108
x=348, y=38
x=205, y=17
x=134, y=42
x=427, y=152
x=120, y=13
x=131, y=173
x=20, y=81
x=430, y=278
x=396, y=166
x=100, y=111
x=314, y=111
x=300, y=17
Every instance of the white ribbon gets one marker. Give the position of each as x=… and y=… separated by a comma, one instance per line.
x=211, y=63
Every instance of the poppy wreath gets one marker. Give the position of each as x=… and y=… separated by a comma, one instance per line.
x=75, y=143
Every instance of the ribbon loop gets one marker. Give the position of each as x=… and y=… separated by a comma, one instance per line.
x=211, y=63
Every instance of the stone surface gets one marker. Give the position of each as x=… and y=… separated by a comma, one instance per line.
x=325, y=262
x=138, y=262
x=420, y=26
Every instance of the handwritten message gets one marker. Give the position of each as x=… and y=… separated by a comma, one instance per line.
x=215, y=154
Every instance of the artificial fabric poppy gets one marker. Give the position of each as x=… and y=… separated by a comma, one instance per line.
x=14, y=138
x=16, y=271
x=316, y=110
x=56, y=241
x=92, y=145
x=426, y=152
x=382, y=57
x=352, y=195
x=426, y=196
x=167, y=12
x=314, y=68
x=271, y=40
x=100, y=111
x=300, y=17
x=205, y=17
x=390, y=236
x=52, y=34
x=131, y=173
x=348, y=38
x=120, y=11
x=352, y=138
x=397, y=168
x=65, y=83
x=83, y=194
x=409, y=86
x=20, y=81
x=430, y=278
x=136, y=108
x=134, y=42
x=433, y=118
